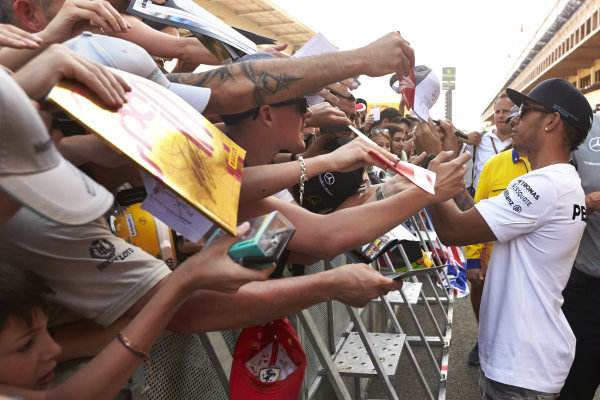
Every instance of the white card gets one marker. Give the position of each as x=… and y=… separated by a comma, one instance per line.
x=165, y=205
x=376, y=111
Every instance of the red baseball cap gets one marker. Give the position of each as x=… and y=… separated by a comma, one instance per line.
x=268, y=363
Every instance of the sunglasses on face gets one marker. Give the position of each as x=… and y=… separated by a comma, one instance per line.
x=301, y=102
x=376, y=131
x=526, y=107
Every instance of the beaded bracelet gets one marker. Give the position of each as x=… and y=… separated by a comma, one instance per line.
x=303, y=177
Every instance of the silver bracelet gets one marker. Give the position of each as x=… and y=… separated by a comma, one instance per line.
x=379, y=194
x=303, y=177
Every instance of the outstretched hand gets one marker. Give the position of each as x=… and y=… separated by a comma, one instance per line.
x=59, y=62
x=213, y=269
x=399, y=56
x=11, y=36
x=355, y=154
x=450, y=175
x=276, y=50
x=75, y=15
x=357, y=284
x=326, y=115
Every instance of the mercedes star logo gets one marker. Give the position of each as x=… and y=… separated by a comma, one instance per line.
x=595, y=144
x=329, y=178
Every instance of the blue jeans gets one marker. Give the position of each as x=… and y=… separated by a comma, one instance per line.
x=492, y=390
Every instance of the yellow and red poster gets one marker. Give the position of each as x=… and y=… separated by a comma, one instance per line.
x=169, y=139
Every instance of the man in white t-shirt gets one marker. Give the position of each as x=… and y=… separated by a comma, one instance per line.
x=526, y=346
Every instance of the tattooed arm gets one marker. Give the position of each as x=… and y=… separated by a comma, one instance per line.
x=463, y=200
x=239, y=87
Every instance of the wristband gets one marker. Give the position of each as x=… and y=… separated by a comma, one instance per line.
x=132, y=347
x=473, y=263
x=303, y=177
x=379, y=194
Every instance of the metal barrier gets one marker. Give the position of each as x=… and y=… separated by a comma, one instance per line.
x=347, y=349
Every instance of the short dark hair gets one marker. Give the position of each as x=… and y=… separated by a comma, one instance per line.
x=21, y=291
x=401, y=120
x=574, y=137
x=412, y=119
x=393, y=128
x=388, y=113
x=7, y=12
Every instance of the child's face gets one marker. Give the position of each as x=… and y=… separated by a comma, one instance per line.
x=27, y=354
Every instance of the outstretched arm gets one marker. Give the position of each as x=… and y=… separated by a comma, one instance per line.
x=371, y=220
x=59, y=62
x=260, y=302
x=105, y=375
x=188, y=50
x=63, y=26
x=239, y=87
x=264, y=180
x=455, y=227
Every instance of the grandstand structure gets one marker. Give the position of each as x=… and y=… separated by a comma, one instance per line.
x=262, y=17
x=566, y=45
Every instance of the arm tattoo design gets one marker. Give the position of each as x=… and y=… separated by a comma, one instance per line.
x=265, y=83
x=223, y=74
x=463, y=200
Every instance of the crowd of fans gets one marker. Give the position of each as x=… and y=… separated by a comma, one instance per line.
x=59, y=300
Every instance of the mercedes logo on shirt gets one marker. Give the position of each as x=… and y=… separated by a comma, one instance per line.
x=595, y=144
x=329, y=178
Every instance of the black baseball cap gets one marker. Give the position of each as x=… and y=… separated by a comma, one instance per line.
x=562, y=97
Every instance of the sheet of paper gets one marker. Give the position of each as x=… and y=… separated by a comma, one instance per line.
x=421, y=177
x=376, y=111
x=403, y=234
x=189, y=15
x=165, y=205
x=318, y=44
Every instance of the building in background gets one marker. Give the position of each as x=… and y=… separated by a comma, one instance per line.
x=261, y=17
x=567, y=45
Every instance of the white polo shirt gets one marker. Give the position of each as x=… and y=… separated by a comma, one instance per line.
x=524, y=338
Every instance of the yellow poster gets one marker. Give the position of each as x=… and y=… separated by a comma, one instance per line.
x=169, y=139
x=381, y=105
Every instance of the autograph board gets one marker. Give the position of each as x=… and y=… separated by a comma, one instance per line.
x=169, y=139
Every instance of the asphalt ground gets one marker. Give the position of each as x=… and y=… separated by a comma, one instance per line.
x=462, y=382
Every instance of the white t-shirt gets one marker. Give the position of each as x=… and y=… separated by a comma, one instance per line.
x=93, y=273
x=524, y=338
